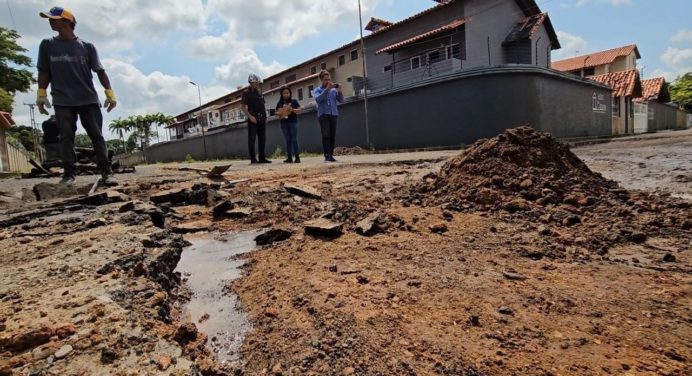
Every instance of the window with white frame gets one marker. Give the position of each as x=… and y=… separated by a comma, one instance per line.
x=310, y=89
x=300, y=94
x=415, y=62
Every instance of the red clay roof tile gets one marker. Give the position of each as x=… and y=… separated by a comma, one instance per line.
x=594, y=59
x=654, y=88
x=624, y=84
x=450, y=26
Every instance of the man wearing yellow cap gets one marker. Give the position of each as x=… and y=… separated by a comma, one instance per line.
x=65, y=62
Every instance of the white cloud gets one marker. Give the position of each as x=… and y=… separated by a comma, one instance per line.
x=683, y=36
x=611, y=2
x=285, y=22
x=113, y=25
x=244, y=61
x=668, y=75
x=679, y=59
x=571, y=45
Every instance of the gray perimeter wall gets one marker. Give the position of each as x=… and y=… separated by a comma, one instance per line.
x=665, y=117
x=447, y=111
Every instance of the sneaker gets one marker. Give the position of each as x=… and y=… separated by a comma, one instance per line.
x=297, y=160
x=288, y=160
x=108, y=180
x=253, y=161
x=264, y=161
x=331, y=158
x=67, y=180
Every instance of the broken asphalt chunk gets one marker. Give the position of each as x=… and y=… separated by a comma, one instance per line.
x=239, y=213
x=272, y=236
x=303, y=191
x=190, y=227
x=221, y=208
x=368, y=225
x=323, y=227
x=172, y=195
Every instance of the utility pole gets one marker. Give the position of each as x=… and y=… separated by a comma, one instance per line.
x=34, y=132
x=365, y=78
x=199, y=119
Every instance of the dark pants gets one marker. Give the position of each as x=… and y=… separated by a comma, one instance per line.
x=328, y=128
x=290, y=130
x=92, y=120
x=258, y=131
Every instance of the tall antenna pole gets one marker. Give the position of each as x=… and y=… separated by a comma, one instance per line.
x=365, y=78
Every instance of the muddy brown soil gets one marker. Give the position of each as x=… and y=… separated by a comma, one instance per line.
x=439, y=286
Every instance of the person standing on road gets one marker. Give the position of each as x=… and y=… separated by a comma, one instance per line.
x=288, y=108
x=253, y=107
x=328, y=96
x=65, y=62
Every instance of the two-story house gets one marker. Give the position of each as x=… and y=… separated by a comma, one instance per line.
x=616, y=68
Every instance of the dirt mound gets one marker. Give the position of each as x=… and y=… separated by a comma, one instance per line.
x=526, y=174
x=520, y=162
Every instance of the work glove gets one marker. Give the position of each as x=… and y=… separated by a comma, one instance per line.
x=110, y=101
x=42, y=101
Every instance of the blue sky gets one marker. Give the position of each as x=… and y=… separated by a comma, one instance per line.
x=151, y=49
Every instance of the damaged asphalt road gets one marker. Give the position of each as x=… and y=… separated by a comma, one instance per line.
x=378, y=267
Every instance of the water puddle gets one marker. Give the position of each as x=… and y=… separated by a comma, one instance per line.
x=207, y=266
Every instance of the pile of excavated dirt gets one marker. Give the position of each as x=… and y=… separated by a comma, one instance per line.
x=524, y=173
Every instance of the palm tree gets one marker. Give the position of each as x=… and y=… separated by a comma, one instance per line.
x=120, y=126
x=162, y=120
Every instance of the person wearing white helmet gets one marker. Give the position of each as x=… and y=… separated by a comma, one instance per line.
x=256, y=113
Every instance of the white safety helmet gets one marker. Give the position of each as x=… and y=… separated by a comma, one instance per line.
x=253, y=78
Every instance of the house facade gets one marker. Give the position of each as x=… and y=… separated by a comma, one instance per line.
x=626, y=87
x=449, y=37
x=467, y=69
x=618, y=59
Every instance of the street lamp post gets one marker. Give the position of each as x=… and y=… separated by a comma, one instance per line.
x=199, y=119
x=365, y=78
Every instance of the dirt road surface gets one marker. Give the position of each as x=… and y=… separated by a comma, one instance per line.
x=485, y=278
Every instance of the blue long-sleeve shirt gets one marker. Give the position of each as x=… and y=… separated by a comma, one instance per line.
x=327, y=101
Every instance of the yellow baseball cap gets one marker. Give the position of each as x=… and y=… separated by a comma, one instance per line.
x=58, y=13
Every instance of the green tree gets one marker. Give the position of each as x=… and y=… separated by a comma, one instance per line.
x=681, y=91
x=6, y=101
x=82, y=140
x=25, y=136
x=120, y=127
x=118, y=146
x=131, y=143
x=13, y=78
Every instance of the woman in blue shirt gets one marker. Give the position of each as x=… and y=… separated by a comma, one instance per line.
x=288, y=109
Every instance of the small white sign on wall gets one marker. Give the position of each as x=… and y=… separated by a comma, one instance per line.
x=598, y=103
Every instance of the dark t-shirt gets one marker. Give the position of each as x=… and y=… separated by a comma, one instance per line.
x=254, y=101
x=292, y=118
x=70, y=63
